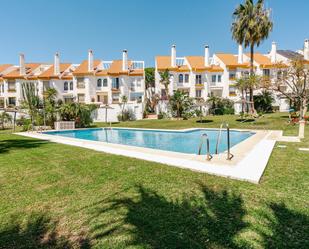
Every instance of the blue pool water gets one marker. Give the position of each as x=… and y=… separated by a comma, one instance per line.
x=178, y=141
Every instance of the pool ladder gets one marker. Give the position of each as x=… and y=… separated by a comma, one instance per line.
x=229, y=154
x=203, y=138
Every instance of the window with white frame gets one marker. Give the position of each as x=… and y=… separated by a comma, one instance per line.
x=198, y=79
x=180, y=78
x=213, y=78
x=65, y=86
x=198, y=93
x=71, y=85
x=219, y=77
x=186, y=78
x=99, y=83
x=105, y=83
x=81, y=98
x=115, y=83
x=266, y=72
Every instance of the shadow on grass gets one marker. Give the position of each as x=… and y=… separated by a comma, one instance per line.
x=9, y=144
x=289, y=229
x=37, y=232
x=204, y=121
x=243, y=120
x=212, y=220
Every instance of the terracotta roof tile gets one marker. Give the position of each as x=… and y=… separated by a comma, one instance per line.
x=164, y=62
x=231, y=60
x=49, y=73
x=15, y=74
x=82, y=69
x=197, y=64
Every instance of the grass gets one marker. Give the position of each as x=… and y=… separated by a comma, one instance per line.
x=59, y=196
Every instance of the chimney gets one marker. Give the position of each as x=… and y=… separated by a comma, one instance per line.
x=206, y=58
x=240, y=54
x=306, y=49
x=22, y=68
x=90, y=60
x=173, y=56
x=273, y=52
x=124, y=60
x=56, y=64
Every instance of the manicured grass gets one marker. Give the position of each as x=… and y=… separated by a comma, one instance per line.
x=58, y=196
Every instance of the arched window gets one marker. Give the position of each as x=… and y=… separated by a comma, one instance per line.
x=65, y=86
x=180, y=78
x=99, y=83
x=71, y=85
x=105, y=82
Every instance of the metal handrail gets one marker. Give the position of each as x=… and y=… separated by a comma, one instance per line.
x=204, y=136
x=229, y=154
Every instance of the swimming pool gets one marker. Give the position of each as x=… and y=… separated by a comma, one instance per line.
x=176, y=141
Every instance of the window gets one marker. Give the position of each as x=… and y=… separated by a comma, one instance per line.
x=266, y=72
x=180, y=78
x=163, y=94
x=104, y=82
x=115, y=98
x=232, y=75
x=102, y=98
x=232, y=91
x=45, y=85
x=65, y=86
x=115, y=83
x=71, y=85
x=99, y=83
x=213, y=78
x=198, y=79
x=12, y=101
x=186, y=78
x=81, y=98
x=198, y=93
x=219, y=77
x=11, y=86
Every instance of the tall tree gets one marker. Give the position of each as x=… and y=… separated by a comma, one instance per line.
x=294, y=85
x=251, y=25
x=165, y=80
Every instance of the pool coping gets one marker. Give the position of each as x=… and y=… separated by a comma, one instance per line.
x=250, y=155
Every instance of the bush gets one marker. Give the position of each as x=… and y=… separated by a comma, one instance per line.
x=220, y=106
x=127, y=115
x=263, y=102
x=80, y=113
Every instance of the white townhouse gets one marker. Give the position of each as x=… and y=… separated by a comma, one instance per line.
x=93, y=81
x=105, y=82
x=196, y=75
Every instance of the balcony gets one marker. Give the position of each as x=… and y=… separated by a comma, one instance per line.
x=199, y=85
x=12, y=90
x=80, y=85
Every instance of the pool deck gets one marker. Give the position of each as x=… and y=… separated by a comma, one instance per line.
x=248, y=164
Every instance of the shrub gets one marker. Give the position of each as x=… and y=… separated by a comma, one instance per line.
x=263, y=102
x=126, y=115
x=220, y=106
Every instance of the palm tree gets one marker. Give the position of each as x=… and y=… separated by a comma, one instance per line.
x=180, y=102
x=165, y=80
x=50, y=105
x=250, y=27
x=124, y=100
x=242, y=86
x=31, y=100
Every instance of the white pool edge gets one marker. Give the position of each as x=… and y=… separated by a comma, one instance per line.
x=250, y=168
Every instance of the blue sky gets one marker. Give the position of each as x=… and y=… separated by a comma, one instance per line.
x=146, y=28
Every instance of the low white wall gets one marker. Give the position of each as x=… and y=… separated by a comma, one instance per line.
x=99, y=114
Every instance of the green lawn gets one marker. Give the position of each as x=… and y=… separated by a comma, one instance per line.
x=58, y=196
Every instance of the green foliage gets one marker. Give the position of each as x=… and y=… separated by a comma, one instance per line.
x=180, y=103
x=31, y=101
x=126, y=115
x=4, y=119
x=165, y=80
x=150, y=77
x=80, y=113
x=220, y=106
x=263, y=102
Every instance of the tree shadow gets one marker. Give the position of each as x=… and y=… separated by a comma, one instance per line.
x=204, y=121
x=211, y=220
x=9, y=144
x=289, y=229
x=37, y=232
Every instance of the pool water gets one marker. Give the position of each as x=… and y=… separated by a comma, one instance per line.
x=177, y=141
